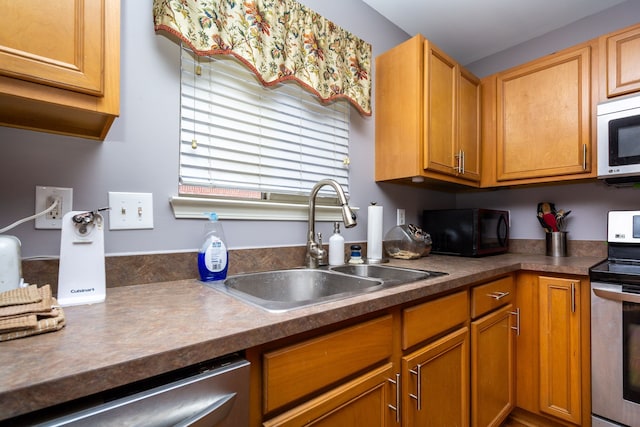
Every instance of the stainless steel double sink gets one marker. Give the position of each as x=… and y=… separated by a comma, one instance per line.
x=284, y=290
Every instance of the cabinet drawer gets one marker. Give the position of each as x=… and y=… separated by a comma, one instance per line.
x=301, y=369
x=424, y=321
x=362, y=401
x=489, y=296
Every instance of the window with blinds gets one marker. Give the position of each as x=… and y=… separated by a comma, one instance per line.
x=241, y=139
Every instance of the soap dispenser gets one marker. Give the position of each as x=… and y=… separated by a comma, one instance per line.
x=213, y=258
x=336, y=246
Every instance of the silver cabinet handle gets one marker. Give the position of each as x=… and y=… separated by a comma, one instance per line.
x=584, y=157
x=573, y=297
x=418, y=396
x=616, y=295
x=462, y=154
x=458, y=157
x=517, y=327
x=498, y=295
x=396, y=408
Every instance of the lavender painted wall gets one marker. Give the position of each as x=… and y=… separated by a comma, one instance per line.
x=140, y=153
x=589, y=202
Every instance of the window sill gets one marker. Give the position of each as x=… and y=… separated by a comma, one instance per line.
x=195, y=207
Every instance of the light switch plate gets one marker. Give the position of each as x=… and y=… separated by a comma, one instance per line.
x=130, y=211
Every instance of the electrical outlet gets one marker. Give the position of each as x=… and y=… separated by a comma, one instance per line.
x=400, y=217
x=130, y=211
x=45, y=197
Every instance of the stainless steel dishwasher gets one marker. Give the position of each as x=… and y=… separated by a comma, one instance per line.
x=213, y=393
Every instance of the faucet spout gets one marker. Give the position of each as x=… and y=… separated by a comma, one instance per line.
x=316, y=255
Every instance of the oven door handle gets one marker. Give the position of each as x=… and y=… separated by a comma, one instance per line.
x=616, y=295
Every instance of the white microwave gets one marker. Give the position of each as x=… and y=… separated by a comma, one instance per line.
x=619, y=140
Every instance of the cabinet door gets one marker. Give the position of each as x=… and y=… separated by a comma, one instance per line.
x=362, y=402
x=492, y=368
x=435, y=383
x=54, y=43
x=623, y=62
x=544, y=117
x=427, y=115
x=560, y=361
x=399, y=111
x=440, y=110
x=60, y=66
x=468, y=121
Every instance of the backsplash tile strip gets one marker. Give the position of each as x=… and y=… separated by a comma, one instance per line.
x=137, y=269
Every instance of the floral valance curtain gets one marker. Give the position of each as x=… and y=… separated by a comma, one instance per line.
x=279, y=40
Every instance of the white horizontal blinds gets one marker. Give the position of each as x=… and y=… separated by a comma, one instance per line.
x=250, y=137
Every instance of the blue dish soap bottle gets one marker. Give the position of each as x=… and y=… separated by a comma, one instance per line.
x=213, y=258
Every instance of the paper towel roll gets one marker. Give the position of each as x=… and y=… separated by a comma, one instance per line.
x=374, y=233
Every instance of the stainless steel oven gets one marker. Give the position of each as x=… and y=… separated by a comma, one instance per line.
x=615, y=325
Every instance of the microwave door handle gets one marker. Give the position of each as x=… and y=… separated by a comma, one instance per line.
x=616, y=295
x=502, y=225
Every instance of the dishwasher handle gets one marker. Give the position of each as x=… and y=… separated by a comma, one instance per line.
x=212, y=415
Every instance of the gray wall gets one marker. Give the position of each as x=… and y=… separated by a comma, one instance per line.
x=140, y=153
x=589, y=202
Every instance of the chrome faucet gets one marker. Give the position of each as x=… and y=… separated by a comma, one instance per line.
x=316, y=255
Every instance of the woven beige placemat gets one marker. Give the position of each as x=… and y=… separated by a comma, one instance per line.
x=28, y=321
x=44, y=324
x=26, y=295
x=42, y=306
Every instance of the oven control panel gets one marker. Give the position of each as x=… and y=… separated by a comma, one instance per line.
x=624, y=227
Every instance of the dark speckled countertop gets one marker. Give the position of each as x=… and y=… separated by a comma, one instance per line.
x=144, y=330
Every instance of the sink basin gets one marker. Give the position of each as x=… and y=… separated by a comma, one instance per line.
x=391, y=276
x=283, y=290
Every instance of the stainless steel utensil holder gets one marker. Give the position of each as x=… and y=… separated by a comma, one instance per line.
x=556, y=243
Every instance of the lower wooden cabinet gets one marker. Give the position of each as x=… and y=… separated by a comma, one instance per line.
x=471, y=358
x=492, y=351
x=492, y=367
x=560, y=363
x=553, y=349
x=300, y=370
x=361, y=402
x=436, y=383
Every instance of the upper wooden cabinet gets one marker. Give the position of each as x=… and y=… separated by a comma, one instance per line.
x=538, y=120
x=60, y=66
x=620, y=59
x=427, y=116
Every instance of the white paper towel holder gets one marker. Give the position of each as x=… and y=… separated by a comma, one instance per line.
x=374, y=236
